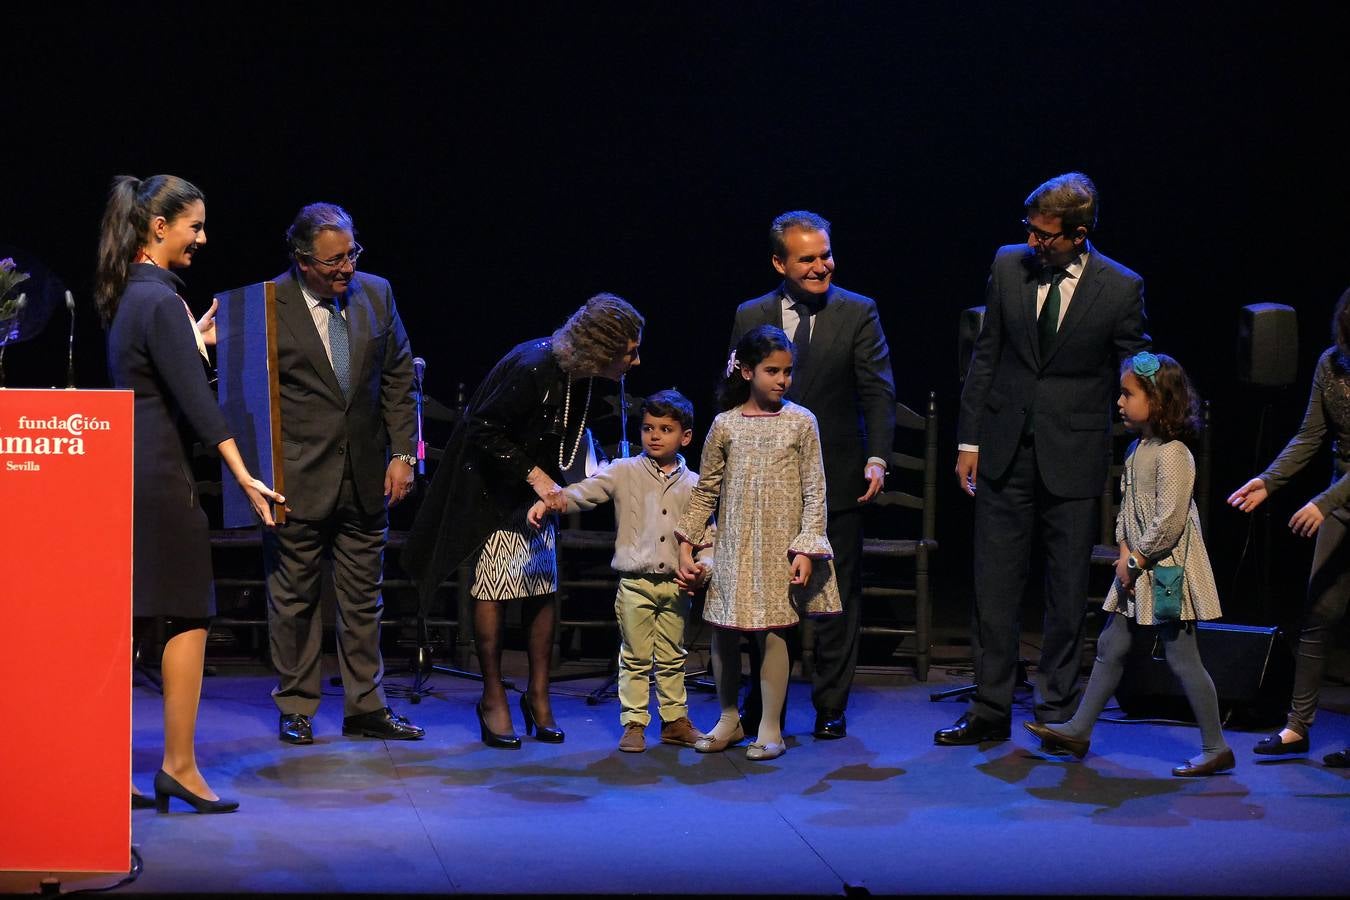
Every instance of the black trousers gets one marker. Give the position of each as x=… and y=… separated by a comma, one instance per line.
x=1324, y=609
x=1010, y=513
x=836, y=637
x=291, y=555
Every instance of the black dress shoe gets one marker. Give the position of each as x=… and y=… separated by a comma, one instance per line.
x=546, y=734
x=1338, y=760
x=1052, y=740
x=1274, y=746
x=492, y=738
x=972, y=730
x=295, y=728
x=830, y=725
x=382, y=723
x=1221, y=763
x=140, y=801
x=167, y=786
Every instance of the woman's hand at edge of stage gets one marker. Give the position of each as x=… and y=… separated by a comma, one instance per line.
x=1249, y=496
x=262, y=497
x=801, y=568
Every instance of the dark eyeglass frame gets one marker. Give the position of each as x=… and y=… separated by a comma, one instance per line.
x=1042, y=237
x=350, y=256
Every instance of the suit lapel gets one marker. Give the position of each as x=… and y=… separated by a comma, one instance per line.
x=359, y=313
x=1084, y=296
x=293, y=314
x=826, y=331
x=1027, y=307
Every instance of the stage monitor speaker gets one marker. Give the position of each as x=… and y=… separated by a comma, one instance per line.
x=1252, y=669
x=967, y=330
x=1268, y=345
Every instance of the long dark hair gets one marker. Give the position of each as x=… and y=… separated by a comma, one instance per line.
x=751, y=350
x=132, y=204
x=1340, y=330
x=1173, y=405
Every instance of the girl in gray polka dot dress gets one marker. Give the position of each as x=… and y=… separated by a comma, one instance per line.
x=1164, y=582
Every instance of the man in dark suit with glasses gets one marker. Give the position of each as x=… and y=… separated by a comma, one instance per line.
x=1035, y=444
x=347, y=433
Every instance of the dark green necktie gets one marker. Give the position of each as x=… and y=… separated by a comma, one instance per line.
x=1047, y=324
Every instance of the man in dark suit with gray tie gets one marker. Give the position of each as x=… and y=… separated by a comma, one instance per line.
x=842, y=373
x=1035, y=444
x=347, y=432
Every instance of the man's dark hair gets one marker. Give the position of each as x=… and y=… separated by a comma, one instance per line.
x=310, y=221
x=798, y=218
x=1071, y=198
x=670, y=404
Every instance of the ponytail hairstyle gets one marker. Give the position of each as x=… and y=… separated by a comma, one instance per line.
x=1173, y=405
x=751, y=350
x=132, y=205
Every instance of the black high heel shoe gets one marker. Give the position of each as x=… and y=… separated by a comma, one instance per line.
x=546, y=734
x=140, y=801
x=166, y=786
x=491, y=738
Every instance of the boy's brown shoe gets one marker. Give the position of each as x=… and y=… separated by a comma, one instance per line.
x=633, y=740
x=680, y=732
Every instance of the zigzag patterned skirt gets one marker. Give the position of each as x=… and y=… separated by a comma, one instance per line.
x=517, y=561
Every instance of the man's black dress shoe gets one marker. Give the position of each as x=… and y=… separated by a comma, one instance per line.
x=1221, y=763
x=296, y=729
x=830, y=725
x=1052, y=740
x=1338, y=760
x=382, y=723
x=1273, y=746
x=140, y=801
x=972, y=730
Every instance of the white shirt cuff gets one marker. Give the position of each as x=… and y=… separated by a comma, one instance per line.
x=968, y=448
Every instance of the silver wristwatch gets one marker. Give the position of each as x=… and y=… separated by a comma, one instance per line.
x=407, y=458
x=1130, y=563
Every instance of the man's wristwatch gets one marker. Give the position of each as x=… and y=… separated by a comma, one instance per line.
x=407, y=458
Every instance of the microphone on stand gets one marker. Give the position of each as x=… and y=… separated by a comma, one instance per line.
x=624, y=452
x=419, y=369
x=70, y=344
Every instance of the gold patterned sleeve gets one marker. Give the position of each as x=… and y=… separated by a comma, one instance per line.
x=811, y=539
x=693, y=525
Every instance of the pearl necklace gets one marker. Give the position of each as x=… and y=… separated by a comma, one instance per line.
x=581, y=425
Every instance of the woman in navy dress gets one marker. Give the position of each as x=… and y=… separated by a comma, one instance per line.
x=158, y=351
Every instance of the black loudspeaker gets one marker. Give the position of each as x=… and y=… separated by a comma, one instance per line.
x=967, y=330
x=1268, y=345
x=1252, y=669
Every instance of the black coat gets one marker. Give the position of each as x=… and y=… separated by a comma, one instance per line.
x=847, y=384
x=320, y=428
x=512, y=423
x=152, y=352
x=1072, y=390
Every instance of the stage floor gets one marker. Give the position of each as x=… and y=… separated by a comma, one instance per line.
x=882, y=811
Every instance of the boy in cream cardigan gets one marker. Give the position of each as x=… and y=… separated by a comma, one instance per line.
x=650, y=493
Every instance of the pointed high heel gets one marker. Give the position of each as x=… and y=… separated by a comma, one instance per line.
x=546, y=735
x=491, y=738
x=166, y=786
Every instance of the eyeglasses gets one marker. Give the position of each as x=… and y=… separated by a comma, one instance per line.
x=1042, y=237
x=350, y=256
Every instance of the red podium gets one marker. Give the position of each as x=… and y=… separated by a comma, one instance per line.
x=65, y=650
